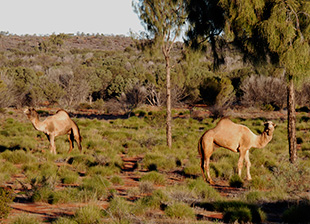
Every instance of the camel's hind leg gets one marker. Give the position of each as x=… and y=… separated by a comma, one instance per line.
x=205, y=148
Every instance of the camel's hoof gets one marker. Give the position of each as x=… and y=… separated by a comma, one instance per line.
x=211, y=182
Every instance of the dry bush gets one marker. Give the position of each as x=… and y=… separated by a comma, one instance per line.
x=262, y=90
x=303, y=96
x=7, y=90
x=132, y=98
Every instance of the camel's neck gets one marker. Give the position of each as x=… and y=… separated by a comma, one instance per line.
x=263, y=139
x=37, y=124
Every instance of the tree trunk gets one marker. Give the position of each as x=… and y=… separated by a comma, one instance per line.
x=168, y=119
x=291, y=120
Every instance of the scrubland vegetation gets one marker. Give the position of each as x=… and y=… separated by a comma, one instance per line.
x=115, y=75
x=169, y=186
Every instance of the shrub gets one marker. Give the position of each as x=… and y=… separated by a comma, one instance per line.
x=97, y=185
x=240, y=211
x=262, y=90
x=6, y=197
x=119, y=208
x=98, y=104
x=242, y=215
x=203, y=190
x=146, y=187
x=297, y=214
x=152, y=201
x=63, y=220
x=217, y=92
x=18, y=156
x=236, y=181
x=180, y=210
x=117, y=180
x=154, y=177
x=25, y=219
x=90, y=214
x=43, y=194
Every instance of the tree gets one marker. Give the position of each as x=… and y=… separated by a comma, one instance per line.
x=163, y=20
x=276, y=31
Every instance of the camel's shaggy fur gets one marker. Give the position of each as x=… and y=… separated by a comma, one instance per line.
x=235, y=137
x=56, y=125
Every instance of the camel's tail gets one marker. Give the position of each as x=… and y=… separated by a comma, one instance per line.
x=200, y=149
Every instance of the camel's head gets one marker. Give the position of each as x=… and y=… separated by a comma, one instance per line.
x=269, y=127
x=30, y=112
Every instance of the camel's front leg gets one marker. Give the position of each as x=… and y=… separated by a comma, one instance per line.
x=240, y=161
x=71, y=140
x=52, y=144
x=207, y=166
x=248, y=164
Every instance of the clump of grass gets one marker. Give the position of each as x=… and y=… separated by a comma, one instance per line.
x=90, y=214
x=120, y=210
x=298, y=214
x=97, y=185
x=154, y=177
x=254, y=196
x=240, y=215
x=180, y=210
x=152, y=201
x=192, y=170
x=146, y=187
x=203, y=190
x=64, y=220
x=67, y=176
x=240, y=211
x=6, y=197
x=116, y=180
x=43, y=194
x=18, y=156
x=103, y=170
x=236, y=181
x=25, y=219
x=159, y=160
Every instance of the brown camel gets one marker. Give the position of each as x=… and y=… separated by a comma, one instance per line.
x=235, y=137
x=56, y=125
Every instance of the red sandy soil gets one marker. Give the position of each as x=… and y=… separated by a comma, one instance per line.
x=130, y=175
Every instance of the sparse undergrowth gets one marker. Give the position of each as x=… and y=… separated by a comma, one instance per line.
x=169, y=184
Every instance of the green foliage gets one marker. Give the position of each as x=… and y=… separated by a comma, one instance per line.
x=297, y=213
x=90, y=214
x=97, y=185
x=6, y=197
x=240, y=215
x=179, y=210
x=240, y=211
x=119, y=209
x=217, y=91
x=203, y=190
x=154, y=177
x=18, y=156
x=236, y=181
x=25, y=219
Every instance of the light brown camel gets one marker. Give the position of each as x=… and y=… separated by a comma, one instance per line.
x=235, y=137
x=56, y=125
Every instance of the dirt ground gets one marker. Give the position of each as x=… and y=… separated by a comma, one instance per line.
x=130, y=175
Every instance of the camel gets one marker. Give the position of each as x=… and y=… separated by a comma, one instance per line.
x=235, y=137
x=56, y=125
